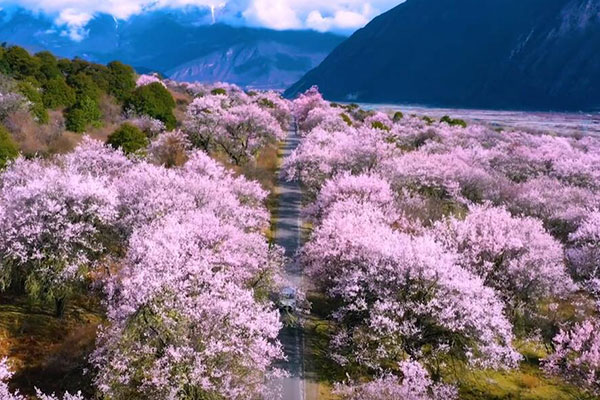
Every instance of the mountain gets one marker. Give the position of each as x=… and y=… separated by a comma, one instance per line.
x=503, y=54
x=179, y=44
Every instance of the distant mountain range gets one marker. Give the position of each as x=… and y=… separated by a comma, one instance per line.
x=507, y=54
x=179, y=44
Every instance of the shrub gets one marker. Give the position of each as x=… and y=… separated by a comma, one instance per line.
x=129, y=138
x=453, y=122
x=380, y=125
x=58, y=94
x=153, y=100
x=169, y=149
x=8, y=147
x=75, y=120
x=398, y=116
x=266, y=103
x=217, y=91
x=346, y=119
x=428, y=120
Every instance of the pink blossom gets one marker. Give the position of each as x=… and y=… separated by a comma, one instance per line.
x=513, y=255
x=146, y=79
x=388, y=284
x=577, y=355
x=183, y=313
x=414, y=385
x=583, y=254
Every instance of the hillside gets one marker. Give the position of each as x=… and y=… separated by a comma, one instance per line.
x=178, y=44
x=507, y=54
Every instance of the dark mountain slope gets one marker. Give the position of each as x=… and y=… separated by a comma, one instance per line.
x=533, y=54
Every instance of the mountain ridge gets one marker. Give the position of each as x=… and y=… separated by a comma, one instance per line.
x=504, y=54
x=179, y=42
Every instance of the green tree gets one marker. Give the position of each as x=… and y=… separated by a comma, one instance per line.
x=398, y=116
x=122, y=80
x=153, y=100
x=65, y=66
x=48, y=66
x=30, y=90
x=58, y=94
x=129, y=138
x=8, y=147
x=82, y=114
x=21, y=64
x=84, y=85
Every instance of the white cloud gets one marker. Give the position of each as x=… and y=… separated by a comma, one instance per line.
x=340, y=20
x=273, y=14
x=75, y=22
x=322, y=15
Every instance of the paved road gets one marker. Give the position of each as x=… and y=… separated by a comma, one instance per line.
x=287, y=235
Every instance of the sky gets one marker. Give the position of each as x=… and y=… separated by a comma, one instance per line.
x=342, y=16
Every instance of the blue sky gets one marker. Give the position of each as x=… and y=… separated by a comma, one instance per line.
x=322, y=15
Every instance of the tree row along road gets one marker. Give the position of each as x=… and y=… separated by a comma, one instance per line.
x=287, y=235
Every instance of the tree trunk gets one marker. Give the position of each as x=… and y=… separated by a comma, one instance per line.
x=59, y=307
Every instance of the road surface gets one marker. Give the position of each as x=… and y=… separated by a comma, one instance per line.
x=287, y=235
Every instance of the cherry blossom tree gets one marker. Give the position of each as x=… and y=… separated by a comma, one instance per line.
x=583, y=255
x=577, y=355
x=306, y=102
x=513, y=255
x=203, y=120
x=277, y=106
x=148, y=192
x=364, y=188
x=327, y=118
x=57, y=223
x=246, y=129
x=146, y=79
x=184, y=318
x=93, y=157
x=321, y=155
x=415, y=384
x=401, y=295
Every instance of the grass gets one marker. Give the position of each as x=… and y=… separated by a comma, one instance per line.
x=266, y=172
x=318, y=367
x=45, y=351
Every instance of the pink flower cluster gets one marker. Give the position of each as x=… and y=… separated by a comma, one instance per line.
x=236, y=124
x=147, y=79
x=187, y=291
x=414, y=385
x=577, y=355
x=426, y=232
